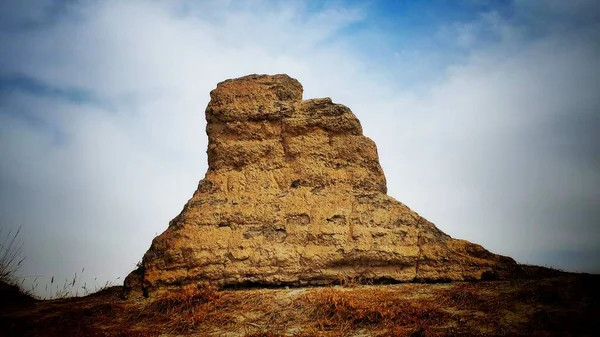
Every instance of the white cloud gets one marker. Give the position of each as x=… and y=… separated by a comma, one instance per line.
x=93, y=183
x=500, y=148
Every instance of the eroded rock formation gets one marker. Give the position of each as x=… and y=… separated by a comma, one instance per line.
x=294, y=194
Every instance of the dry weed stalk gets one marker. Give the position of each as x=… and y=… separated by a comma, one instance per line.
x=10, y=257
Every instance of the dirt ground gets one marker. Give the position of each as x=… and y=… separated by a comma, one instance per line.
x=565, y=305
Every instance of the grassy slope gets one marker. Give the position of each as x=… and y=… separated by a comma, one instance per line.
x=568, y=304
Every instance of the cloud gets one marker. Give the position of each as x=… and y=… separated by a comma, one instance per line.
x=94, y=179
x=505, y=146
x=102, y=127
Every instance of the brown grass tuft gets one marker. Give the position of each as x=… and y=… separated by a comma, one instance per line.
x=184, y=301
x=346, y=310
x=183, y=310
x=263, y=334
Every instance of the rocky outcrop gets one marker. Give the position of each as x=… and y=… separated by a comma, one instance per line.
x=295, y=195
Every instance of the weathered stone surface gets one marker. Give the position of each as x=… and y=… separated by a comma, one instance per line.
x=294, y=194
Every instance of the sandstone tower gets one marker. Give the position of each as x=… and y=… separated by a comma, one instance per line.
x=295, y=195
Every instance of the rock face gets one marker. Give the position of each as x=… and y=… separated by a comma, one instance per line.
x=295, y=195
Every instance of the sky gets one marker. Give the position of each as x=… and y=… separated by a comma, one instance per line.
x=485, y=113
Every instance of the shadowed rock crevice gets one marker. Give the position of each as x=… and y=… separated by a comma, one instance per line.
x=295, y=195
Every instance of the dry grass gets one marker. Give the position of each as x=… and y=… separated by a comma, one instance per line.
x=181, y=311
x=541, y=307
x=10, y=256
x=263, y=334
x=11, y=288
x=488, y=308
x=343, y=311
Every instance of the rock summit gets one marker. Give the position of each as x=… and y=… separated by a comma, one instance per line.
x=295, y=195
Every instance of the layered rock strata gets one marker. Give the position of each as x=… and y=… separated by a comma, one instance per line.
x=295, y=195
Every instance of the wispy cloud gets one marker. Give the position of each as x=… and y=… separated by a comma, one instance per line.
x=488, y=129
